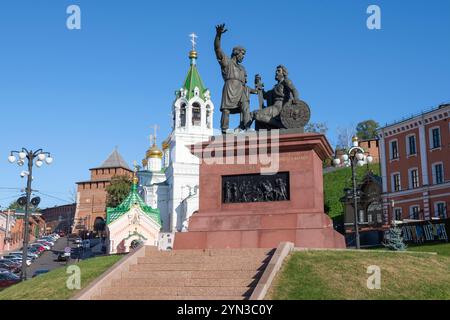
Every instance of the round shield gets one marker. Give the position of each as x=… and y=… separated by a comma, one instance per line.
x=295, y=115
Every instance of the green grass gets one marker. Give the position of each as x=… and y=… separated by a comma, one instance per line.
x=343, y=275
x=442, y=249
x=335, y=182
x=52, y=285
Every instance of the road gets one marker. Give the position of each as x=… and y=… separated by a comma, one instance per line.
x=48, y=260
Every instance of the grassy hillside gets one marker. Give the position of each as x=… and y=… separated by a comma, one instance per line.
x=52, y=285
x=343, y=275
x=335, y=182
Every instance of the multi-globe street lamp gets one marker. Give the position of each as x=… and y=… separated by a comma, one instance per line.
x=38, y=158
x=355, y=156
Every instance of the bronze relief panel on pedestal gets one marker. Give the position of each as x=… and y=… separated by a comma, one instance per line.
x=255, y=188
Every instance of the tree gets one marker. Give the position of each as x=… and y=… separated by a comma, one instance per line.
x=394, y=240
x=367, y=129
x=344, y=137
x=117, y=190
x=15, y=205
x=318, y=127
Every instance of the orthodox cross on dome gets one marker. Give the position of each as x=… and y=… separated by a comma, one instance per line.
x=153, y=136
x=193, y=37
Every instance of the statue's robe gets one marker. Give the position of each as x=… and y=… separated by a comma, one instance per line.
x=234, y=93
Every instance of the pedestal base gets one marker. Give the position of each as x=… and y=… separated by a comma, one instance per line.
x=299, y=219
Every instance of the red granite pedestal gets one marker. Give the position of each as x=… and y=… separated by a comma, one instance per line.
x=300, y=220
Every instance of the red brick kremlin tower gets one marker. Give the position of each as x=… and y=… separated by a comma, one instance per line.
x=91, y=194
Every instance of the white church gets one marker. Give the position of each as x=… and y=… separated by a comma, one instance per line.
x=170, y=177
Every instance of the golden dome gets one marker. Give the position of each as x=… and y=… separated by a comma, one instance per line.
x=135, y=179
x=193, y=54
x=154, y=152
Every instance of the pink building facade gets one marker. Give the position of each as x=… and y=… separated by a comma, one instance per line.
x=415, y=166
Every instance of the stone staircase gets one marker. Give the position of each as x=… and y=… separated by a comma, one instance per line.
x=211, y=274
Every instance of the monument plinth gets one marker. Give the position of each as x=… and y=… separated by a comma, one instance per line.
x=240, y=207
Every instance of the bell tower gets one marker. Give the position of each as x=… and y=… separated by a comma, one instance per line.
x=193, y=108
x=192, y=123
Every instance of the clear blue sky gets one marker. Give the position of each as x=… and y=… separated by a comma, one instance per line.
x=80, y=93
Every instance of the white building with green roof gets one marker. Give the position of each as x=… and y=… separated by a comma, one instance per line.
x=172, y=187
x=132, y=222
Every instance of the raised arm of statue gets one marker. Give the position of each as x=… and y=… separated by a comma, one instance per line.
x=220, y=29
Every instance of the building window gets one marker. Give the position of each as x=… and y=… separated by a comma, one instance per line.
x=394, y=149
x=440, y=210
x=183, y=115
x=396, y=182
x=411, y=145
x=398, y=214
x=435, y=138
x=438, y=173
x=196, y=115
x=414, y=212
x=413, y=178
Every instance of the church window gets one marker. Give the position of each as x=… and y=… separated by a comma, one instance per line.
x=196, y=114
x=183, y=115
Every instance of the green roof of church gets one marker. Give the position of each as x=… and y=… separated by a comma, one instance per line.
x=131, y=200
x=193, y=80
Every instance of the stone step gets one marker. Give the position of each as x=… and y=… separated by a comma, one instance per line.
x=186, y=282
x=212, y=252
x=204, y=259
x=230, y=266
x=126, y=296
x=218, y=274
x=179, y=291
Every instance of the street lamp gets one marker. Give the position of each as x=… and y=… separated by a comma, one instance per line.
x=38, y=157
x=355, y=156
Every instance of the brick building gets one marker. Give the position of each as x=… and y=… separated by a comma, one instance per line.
x=12, y=229
x=415, y=164
x=370, y=146
x=91, y=194
x=59, y=217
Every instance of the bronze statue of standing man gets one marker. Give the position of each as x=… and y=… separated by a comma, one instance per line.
x=235, y=96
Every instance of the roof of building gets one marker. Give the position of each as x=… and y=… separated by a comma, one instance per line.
x=131, y=200
x=193, y=80
x=115, y=160
x=417, y=115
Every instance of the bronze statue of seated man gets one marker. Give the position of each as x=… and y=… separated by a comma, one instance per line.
x=283, y=93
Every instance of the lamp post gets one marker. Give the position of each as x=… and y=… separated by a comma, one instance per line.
x=355, y=156
x=37, y=157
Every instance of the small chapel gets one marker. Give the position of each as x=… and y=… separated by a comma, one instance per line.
x=169, y=177
x=132, y=223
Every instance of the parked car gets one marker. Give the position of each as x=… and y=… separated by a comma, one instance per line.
x=35, y=250
x=39, y=272
x=62, y=256
x=30, y=255
x=10, y=267
x=10, y=263
x=17, y=258
x=41, y=247
x=47, y=247
x=8, y=279
x=47, y=242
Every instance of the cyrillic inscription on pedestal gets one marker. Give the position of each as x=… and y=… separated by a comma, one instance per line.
x=255, y=188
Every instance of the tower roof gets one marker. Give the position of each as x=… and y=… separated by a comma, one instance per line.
x=133, y=199
x=115, y=160
x=193, y=79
